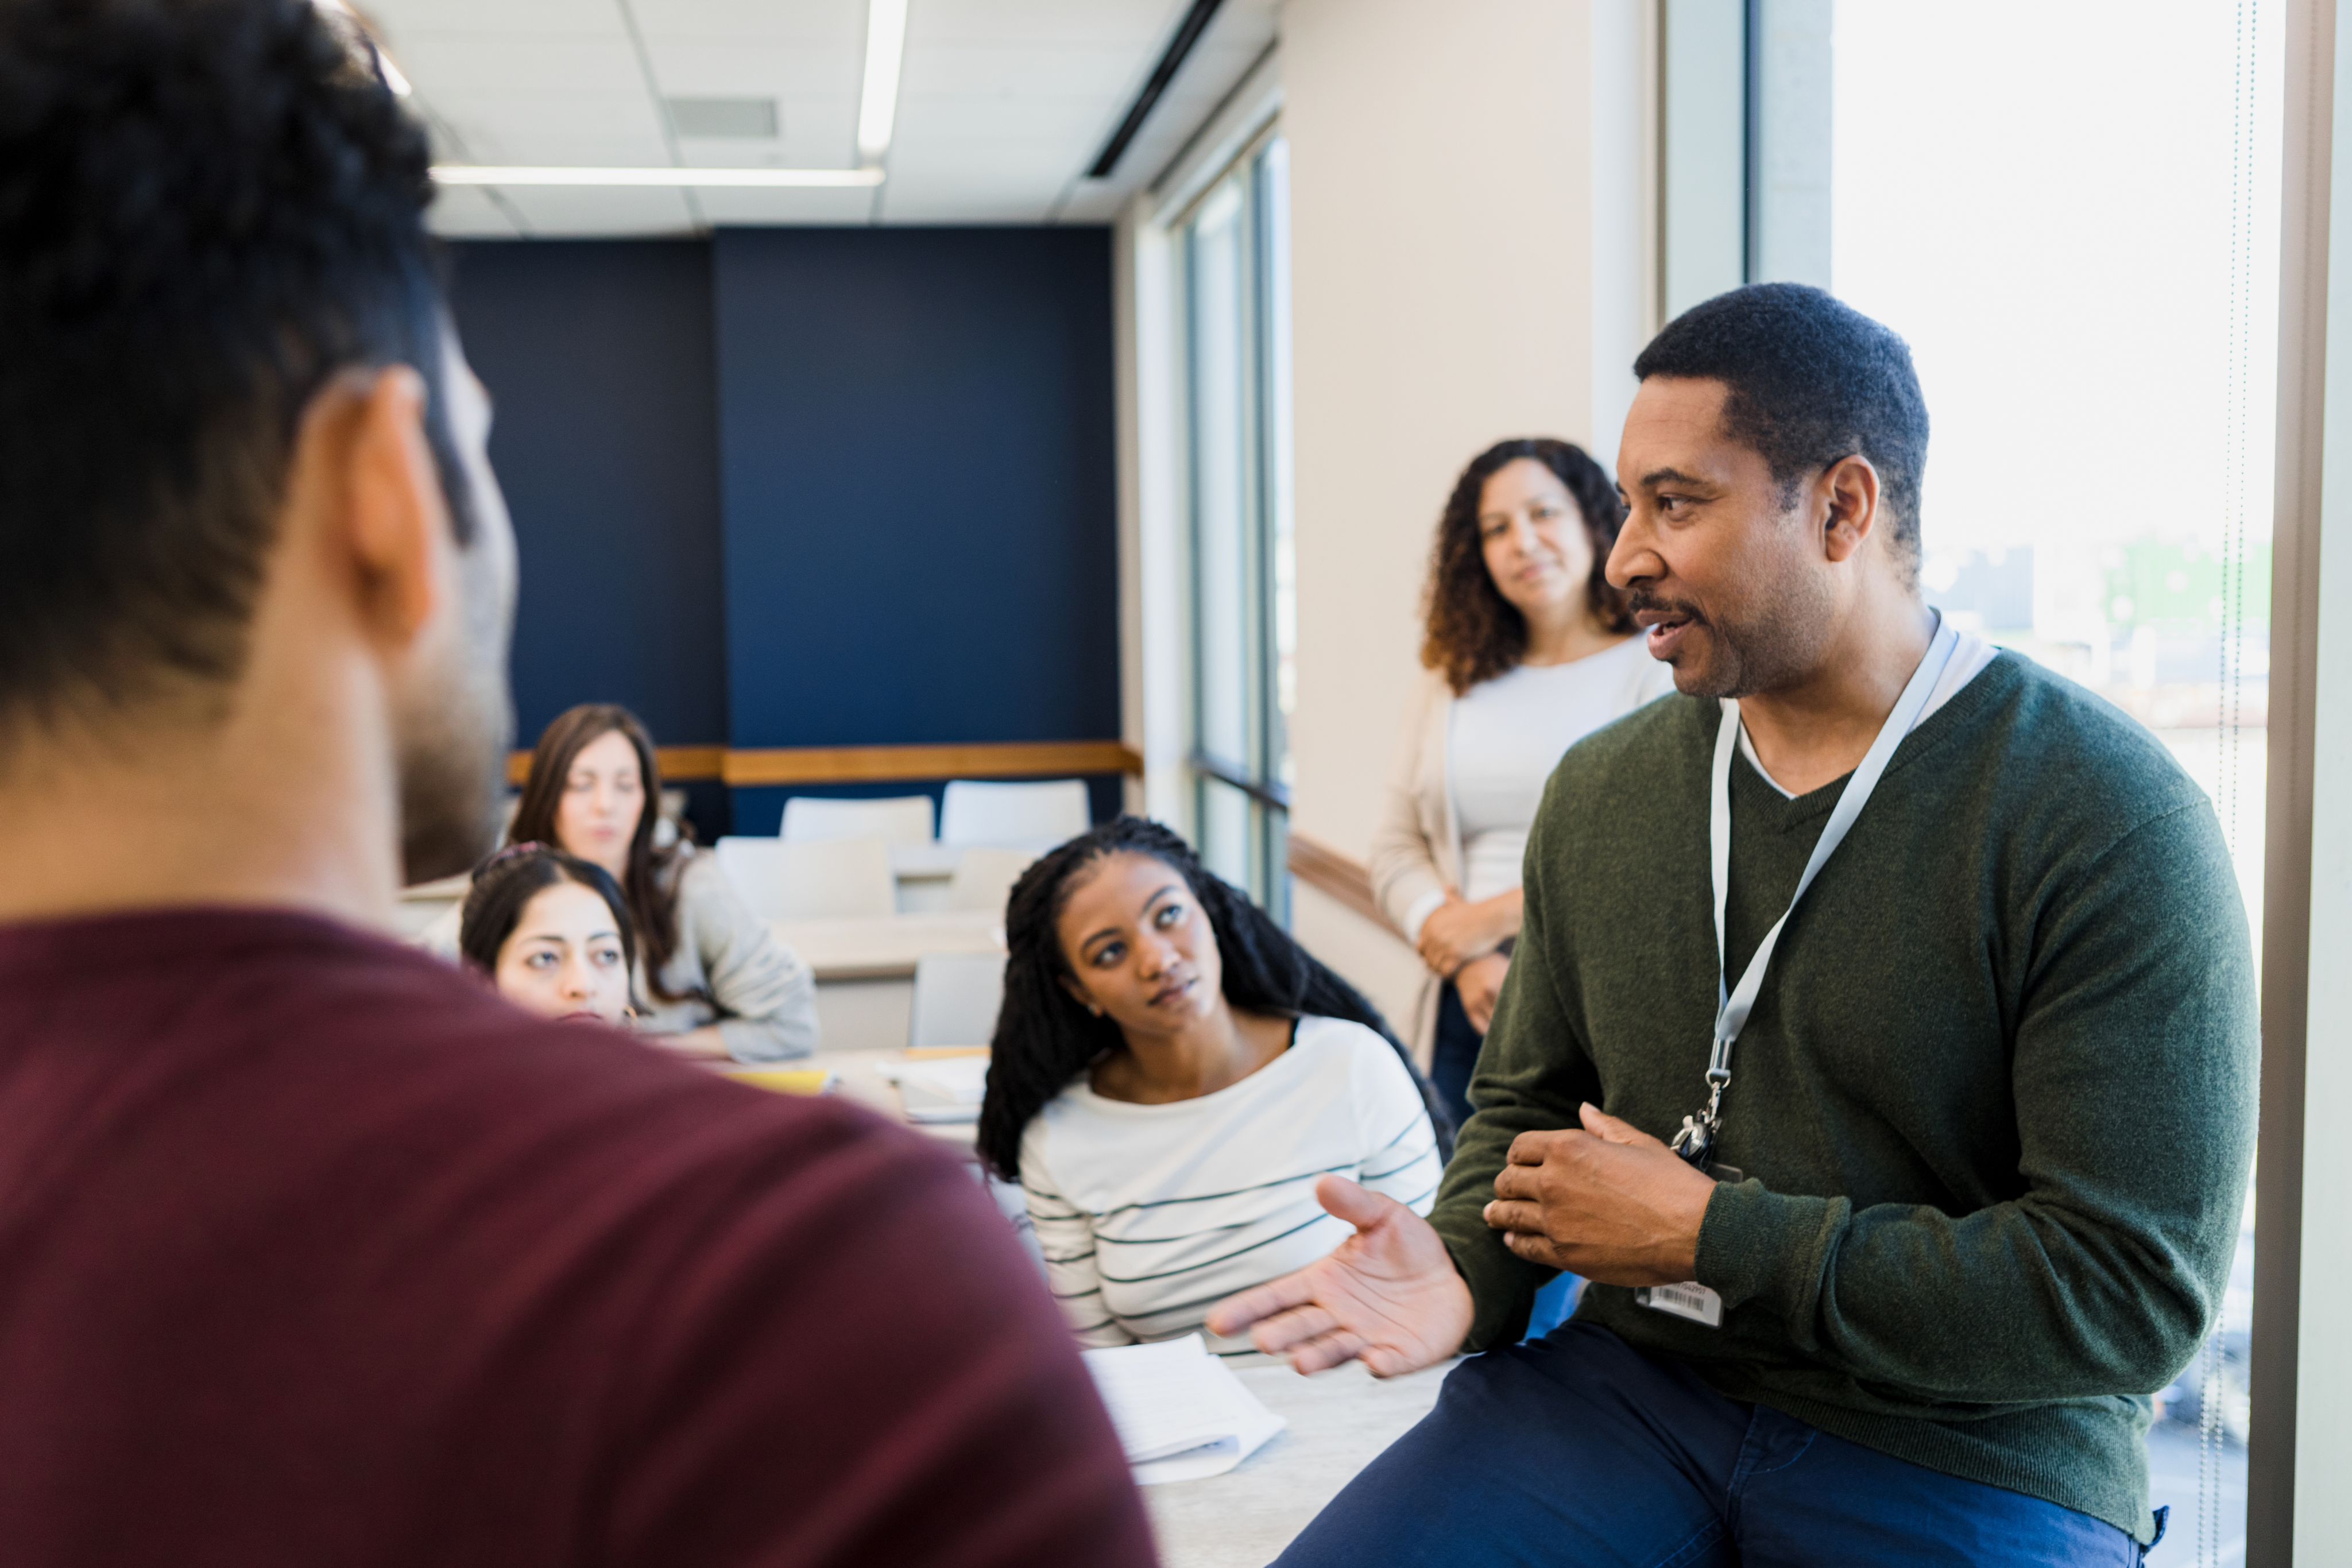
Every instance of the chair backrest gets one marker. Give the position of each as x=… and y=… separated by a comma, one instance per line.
x=826, y=879
x=984, y=878
x=900, y=820
x=1043, y=813
x=957, y=996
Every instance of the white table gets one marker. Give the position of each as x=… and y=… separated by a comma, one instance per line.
x=885, y=946
x=865, y=968
x=862, y=1082
x=1338, y=1421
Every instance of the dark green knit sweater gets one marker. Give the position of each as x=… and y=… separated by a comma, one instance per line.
x=1995, y=1104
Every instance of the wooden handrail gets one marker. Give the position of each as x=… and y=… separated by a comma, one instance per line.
x=1337, y=875
x=677, y=762
x=882, y=764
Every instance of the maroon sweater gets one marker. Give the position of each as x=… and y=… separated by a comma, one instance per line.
x=312, y=1251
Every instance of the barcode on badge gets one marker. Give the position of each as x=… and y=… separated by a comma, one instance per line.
x=1691, y=1300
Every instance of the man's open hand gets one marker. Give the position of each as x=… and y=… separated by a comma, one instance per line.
x=1388, y=1296
x=1610, y=1203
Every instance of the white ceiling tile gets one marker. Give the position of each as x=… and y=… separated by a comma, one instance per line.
x=939, y=122
x=1003, y=103
x=458, y=64
x=397, y=20
x=1138, y=23
x=978, y=70
x=564, y=212
x=814, y=21
x=720, y=67
x=469, y=213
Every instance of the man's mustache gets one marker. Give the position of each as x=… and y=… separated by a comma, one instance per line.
x=1641, y=600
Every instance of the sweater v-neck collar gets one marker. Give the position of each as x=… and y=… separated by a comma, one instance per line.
x=1784, y=811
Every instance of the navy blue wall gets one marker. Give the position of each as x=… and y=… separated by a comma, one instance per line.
x=598, y=354
x=898, y=444
x=916, y=442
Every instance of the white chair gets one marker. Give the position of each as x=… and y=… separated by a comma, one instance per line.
x=827, y=879
x=1043, y=813
x=957, y=996
x=984, y=878
x=900, y=820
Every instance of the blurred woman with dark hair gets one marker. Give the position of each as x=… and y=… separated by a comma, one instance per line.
x=1529, y=650
x=1173, y=1075
x=711, y=979
x=551, y=933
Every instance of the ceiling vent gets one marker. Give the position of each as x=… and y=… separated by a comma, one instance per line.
x=724, y=118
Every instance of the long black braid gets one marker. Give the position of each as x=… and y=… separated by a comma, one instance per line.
x=1044, y=1038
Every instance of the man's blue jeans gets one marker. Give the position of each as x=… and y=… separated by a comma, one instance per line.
x=1578, y=1450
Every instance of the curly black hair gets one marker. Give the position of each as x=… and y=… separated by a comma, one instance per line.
x=1045, y=1038
x=1472, y=632
x=1811, y=380
x=208, y=209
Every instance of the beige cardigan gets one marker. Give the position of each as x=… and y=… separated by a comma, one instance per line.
x=1417, y=850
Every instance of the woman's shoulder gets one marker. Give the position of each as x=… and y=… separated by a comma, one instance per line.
x=1318, y=1032
x=1069, y=1112
x=1344, y=1047
x=691, y=873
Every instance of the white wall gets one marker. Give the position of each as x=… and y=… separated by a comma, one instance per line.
x=1470, y=230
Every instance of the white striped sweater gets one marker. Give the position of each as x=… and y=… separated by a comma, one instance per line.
x=1149, y=1215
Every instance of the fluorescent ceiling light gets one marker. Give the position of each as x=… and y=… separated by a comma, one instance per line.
x=527, y=174
x=886, y=46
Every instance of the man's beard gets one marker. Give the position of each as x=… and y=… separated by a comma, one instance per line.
x=1758, y=652
x=453, y=736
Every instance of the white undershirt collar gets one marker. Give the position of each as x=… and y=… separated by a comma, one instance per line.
x=1971, y=654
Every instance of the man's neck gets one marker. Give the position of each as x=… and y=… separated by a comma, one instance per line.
x=1818, y=728
x=187, y=818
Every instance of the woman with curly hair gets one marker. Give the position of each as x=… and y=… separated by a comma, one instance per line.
x=1171, y=1078
x=1529, y=650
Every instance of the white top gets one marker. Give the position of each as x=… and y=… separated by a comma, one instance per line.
x=1971, y=654
x=1507, y=735
x=1150, y=1215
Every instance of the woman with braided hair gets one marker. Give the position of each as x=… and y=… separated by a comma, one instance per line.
x=1171, y=1075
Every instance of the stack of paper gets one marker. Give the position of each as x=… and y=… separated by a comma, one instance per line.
x=948, y=1089
x=1181, y=1414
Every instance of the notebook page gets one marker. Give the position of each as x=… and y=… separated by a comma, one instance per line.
x=1173, y=1398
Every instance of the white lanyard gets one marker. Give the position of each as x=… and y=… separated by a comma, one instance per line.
x=1695, y=1142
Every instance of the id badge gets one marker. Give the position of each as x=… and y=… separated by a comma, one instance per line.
x=1689, y=1299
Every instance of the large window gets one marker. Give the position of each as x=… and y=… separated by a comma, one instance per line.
x=1235, y=291
x=2069, y=208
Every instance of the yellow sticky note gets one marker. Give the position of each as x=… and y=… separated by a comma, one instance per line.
x=787, y=1079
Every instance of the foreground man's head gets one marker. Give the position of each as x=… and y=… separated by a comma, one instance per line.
x=254, y=552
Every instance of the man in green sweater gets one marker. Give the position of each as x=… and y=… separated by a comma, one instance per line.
x=1880, y=1045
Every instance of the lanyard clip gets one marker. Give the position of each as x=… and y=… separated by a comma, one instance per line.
x=1695, y=1141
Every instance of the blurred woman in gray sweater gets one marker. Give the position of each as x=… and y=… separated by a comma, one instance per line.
x=711, y=980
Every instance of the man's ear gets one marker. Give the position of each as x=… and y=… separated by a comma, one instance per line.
x=394, y=521
x=1850, y=489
